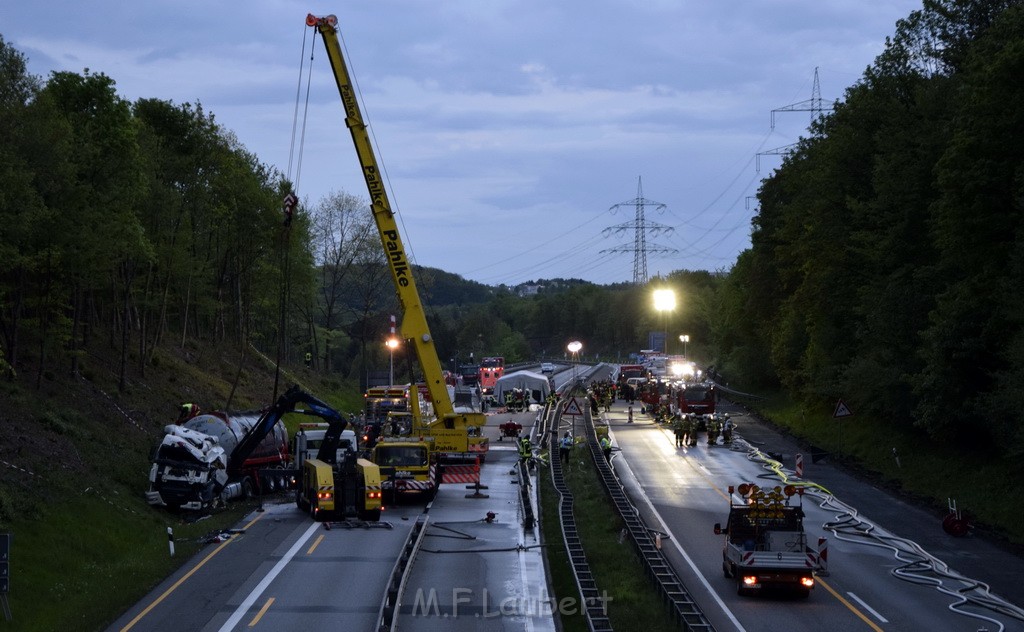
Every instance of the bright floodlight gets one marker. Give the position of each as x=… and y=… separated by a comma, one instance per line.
x=664, y=300
x=392, y=343
x=574, y=346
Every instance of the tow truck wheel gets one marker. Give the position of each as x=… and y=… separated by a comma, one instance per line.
x=247, y=489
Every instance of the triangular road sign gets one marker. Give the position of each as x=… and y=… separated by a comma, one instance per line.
x=573, y=408
x=842, y=410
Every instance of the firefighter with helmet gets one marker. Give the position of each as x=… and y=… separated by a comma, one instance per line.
x=187, y=411
x=689, y=430
x=713, y=429
x=727, y=428
x=525, y=450
x=677, y=428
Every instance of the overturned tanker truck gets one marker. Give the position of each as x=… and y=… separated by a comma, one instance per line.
x=206, y=460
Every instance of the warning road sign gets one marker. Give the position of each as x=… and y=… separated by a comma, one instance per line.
x=573, y=408
x=842, y=410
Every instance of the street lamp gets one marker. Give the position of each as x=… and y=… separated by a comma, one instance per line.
x=684, y=339
x=391, y=344
x=664, y=301
x=574, y=348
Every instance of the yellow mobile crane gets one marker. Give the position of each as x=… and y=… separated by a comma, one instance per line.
x=452, y=433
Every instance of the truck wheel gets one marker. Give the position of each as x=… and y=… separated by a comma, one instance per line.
x=726, y=570
x=370, y=515
x=248, y=491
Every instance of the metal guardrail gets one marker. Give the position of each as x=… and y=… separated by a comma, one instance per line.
x=593, y=606
x=725, y=389
x=673, y=592
x=388, y=613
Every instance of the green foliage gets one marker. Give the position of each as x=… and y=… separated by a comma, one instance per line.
x=885, y=263
x=618, y=569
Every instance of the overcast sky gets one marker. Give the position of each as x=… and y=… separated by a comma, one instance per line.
x=509, y=129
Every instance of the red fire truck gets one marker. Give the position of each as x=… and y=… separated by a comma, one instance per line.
x=491, y=370
x=699, y=398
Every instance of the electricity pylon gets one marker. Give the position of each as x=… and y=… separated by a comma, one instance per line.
x=640, y=227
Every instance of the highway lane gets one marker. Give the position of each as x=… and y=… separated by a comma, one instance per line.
x=283, y=571
x=313, y=575
x=684, y=491
x=333, y=580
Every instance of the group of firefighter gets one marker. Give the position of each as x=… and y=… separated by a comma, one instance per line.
x=601, y=395
x=686, y=425
x=517, y=400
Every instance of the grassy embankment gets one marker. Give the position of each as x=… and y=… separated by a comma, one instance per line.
x=984, y=485
x=74, y=462
x=618, y=569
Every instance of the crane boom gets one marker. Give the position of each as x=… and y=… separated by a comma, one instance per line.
x=414, y=322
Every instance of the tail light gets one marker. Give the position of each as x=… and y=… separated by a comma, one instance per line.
x=807, y=582
x=324, y=495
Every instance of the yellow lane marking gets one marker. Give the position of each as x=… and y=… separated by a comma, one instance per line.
x=263, y=611
x=849, y=605
x=316, y=543
x=181, y=581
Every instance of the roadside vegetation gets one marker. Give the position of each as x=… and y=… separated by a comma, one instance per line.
x=73, y=472
x=634, y=604
x=145, y=262
x=926, y=475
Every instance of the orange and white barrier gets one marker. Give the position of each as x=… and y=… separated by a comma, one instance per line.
x=822, y=567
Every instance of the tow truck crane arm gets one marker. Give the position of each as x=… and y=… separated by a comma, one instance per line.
x=414, y=323
x=284, y=405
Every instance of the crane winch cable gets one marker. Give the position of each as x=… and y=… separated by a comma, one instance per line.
x=292, y=158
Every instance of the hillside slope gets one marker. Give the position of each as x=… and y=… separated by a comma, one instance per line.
x=74, y=464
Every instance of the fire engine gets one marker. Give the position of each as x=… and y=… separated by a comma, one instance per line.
x=699, y=398
x=491, y=370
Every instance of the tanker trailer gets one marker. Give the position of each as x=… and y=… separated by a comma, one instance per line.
x=191, y=464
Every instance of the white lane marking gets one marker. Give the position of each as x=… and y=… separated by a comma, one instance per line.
x=265, y=582
x=675, y=543
x=867, y=607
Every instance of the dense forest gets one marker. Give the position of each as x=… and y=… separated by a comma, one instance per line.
x=886, y=262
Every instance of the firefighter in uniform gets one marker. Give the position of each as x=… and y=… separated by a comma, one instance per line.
x=186, y=412
x=727, y=427
x=713, y=429
x=525, y=450
x=677, y=427
x=688, y=430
